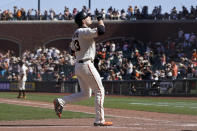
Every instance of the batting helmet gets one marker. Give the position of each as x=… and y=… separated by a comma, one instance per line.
x=80, y=16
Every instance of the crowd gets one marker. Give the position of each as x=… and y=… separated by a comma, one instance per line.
x=44, y=64
x=176, y=58
x=121, y=59
x=131, y=13
x=136, y=60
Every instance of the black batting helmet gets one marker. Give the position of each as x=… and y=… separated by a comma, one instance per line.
x=80, y=16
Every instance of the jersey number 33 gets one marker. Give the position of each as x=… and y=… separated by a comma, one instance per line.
x=76, y=42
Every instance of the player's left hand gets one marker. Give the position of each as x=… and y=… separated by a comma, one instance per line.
x=100, y=17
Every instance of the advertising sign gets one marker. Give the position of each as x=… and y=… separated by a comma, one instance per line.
x=5, y=86
x=29, y=86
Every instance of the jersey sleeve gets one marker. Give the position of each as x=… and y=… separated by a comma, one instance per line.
x=90, y=33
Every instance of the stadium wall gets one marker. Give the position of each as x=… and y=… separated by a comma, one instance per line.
x=184, y=87
x=22, y=35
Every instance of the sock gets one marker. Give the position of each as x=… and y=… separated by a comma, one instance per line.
x=23, y=93
x=19, y=93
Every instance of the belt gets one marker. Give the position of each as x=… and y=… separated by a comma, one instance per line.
x=82, y=61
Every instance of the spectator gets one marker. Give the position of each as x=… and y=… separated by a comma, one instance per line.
x=190, y=71
x=194, y=55
x=96, y=12
x=23, y=14
x=184, y=12
x=109, y=13
x=174, y=70
x=168, y=71
x=173, y=14
x=103, y=13
x=15, y=12
x=19, y=14
x=112, y=47
x=123, y=15
x=52, y=14
x=75, y=11
x=145, y=12
x=130, y=12
x=85, y=9
x=112, y=14
x=67, y=14
x=192, y=40
x=136, y=12
x=45, y=17
x=147, y=72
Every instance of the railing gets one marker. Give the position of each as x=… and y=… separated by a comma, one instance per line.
x=107, y=17
x=184, y=87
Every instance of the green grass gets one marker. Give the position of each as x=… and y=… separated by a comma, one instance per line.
x=173, y=106
x=10, y=112
x=30, y=96
x=164, y=105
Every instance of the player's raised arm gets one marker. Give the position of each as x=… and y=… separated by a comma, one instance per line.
x=101, y=26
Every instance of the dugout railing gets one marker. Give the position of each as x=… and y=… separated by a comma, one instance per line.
x=183, y=87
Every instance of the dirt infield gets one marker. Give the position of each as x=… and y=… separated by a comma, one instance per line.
x=122, y=119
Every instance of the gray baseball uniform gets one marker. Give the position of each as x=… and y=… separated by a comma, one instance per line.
x=84, y=46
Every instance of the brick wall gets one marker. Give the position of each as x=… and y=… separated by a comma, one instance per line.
x=30, y=35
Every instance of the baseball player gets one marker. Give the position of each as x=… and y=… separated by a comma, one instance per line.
x=83, y=45
x=22, y=80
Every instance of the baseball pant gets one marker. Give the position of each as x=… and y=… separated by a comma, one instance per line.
x=88, y=78
x=21, y=85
